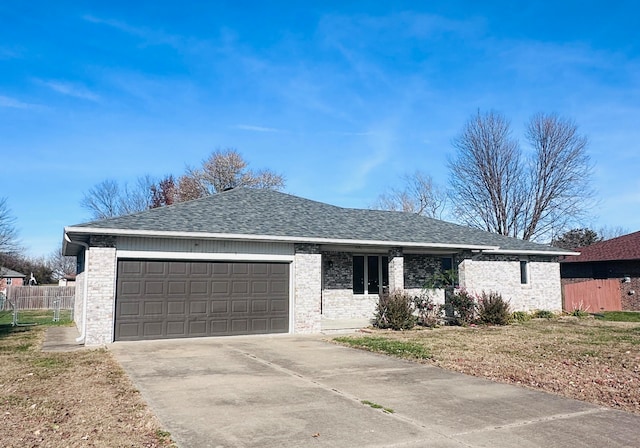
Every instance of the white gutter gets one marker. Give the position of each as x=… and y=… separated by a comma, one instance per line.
x=83, y=331
x=270, y=238
x=530, y=252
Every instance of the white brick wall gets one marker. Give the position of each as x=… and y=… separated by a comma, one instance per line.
x=101, y=275
x=78, y=310
x=396, y=270
x=307, y=288
x=542, y=292
x=344, y=304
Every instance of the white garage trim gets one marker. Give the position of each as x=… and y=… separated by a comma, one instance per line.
x=196, y=256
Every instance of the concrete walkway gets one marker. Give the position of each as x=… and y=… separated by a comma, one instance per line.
x=286, y=391
x=61, y=339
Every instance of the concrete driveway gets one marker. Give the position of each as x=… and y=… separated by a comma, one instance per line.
x=286, y=391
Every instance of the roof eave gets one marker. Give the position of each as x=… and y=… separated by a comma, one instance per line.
x=81, y=231
x=533, y=252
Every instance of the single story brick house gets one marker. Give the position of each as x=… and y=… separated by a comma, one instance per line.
x=9, y=277
x=616, y=260
x=250, y=261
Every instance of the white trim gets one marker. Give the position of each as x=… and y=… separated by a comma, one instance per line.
x=273, y=238
x=160, y=255
x=529, y=252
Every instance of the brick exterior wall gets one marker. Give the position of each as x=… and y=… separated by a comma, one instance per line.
x=338, y=299
x=396, y=269
x=501, y=273
x=101, y=289
x=78, y=304
x=307, y=288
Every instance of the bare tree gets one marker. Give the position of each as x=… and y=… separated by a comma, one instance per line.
x=420, y=195
x=559, y=175
x=496, y=188
x=487, y=175
x=228, y=169
x=8, y=232
x=107, y=199
x=60, y=264
x=609, y=232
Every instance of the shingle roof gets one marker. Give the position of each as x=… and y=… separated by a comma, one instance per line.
x=8, y=273
x=626, y=247
x=280, y=216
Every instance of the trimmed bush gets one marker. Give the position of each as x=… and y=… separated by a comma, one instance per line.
x=493, y=309
x=460, y=306
x=429, y=314
x=395, y=311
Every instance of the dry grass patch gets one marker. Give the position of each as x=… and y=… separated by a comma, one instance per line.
x=79, y=399
x=589, y=360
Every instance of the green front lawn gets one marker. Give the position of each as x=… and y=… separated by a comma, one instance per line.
x=620, y=316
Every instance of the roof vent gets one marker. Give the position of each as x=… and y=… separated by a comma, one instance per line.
x=228, y=188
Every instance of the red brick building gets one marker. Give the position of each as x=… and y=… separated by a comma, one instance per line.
x=10, y=278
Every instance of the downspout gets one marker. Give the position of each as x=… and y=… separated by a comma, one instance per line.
x=83, y=331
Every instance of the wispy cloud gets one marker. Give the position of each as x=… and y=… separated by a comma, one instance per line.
x=248, y=127
x=150, y=36
x=70, y=89
x=6, y=101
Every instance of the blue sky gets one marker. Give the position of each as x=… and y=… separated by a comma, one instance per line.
x=342, y=98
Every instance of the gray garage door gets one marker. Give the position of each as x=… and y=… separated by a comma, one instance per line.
x=177, y=299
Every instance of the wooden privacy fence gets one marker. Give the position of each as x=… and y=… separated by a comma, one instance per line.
x=41, y=297
x=593, y=296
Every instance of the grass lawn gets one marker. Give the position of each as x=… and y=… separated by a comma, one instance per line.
x=38, y=317
x=587, y=359
x=76, y=399
x=620, y=316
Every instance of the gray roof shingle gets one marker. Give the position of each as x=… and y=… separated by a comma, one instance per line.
x=254, y=212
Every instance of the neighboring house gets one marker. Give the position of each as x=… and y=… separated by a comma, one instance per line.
x=67, y=280
x=11, y=278
x=250, y=261
x=605, y=275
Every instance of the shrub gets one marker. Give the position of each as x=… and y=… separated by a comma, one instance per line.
x=395, y=311
x=493, y=309
x=543, y=314
x=429, y=313
x=460, y=306
x=520, y=316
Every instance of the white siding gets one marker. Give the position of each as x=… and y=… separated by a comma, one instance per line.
x=202, y=246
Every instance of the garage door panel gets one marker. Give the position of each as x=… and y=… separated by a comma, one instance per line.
x=153, y=288
x=172, y=299
x=153, y=308
x=240, y=287
x=175, y=307
x=219, y=306
x=259, y=306
x=177, y=268
x=177, y=288
x=279, y=325
x=198, y=287
x=131, y=288
x=240, y=326
x=198, y=328
x=176, y=328
x=155, y=268
x=152, y=329
x=129, y=309
x=220, y=287
x=239, y=306
x=259, y=325
x=198, y=307
x=200, y=269
x=279, y=306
